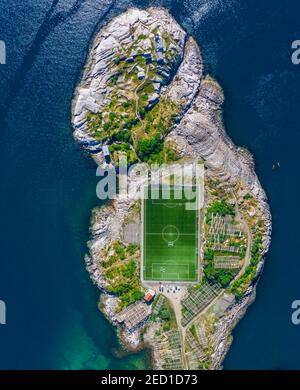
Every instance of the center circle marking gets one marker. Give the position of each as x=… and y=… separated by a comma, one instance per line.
x=170, y=234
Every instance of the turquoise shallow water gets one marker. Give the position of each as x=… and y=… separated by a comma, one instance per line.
x=48, y=185
x=47, y=194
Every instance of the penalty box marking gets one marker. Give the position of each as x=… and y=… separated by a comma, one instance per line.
x=160, y=266
x=180, y=234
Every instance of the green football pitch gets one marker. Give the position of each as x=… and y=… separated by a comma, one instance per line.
x=170, y=235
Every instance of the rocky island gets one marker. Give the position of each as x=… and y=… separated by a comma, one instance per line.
x=144, y=96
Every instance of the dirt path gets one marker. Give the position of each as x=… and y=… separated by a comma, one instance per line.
x=249, y=240
x=246, y=263
x=175, y=300
x=136, y=95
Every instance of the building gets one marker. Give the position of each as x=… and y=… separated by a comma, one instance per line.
x=153, y=99
x=150, y=294
x=160, y=57
x=105, y=150
x=159, y=43
x=134, y=315
x=148, y=57
x=156, y=87
x=141, y=75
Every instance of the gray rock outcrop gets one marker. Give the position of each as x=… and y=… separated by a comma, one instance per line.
x=198, y=133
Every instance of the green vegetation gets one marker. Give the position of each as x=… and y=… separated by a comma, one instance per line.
x=240, y=285
x=119, y=250
x=108, y=263
x=219, y=243
x=148, y=146
x=167, y=315
x=219, y=207
x=193, y=331
x=222, y=276
x=170, y=239
x=121, y=272
x=248, y=196
x=166, y=155
x=129, y=124
x=132, y=248
x=164, y=313
x=255, y=222
x=113, y=80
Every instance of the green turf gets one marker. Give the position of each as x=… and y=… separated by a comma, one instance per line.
x=170, y=244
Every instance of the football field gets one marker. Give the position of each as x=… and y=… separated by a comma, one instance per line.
x=170, y=235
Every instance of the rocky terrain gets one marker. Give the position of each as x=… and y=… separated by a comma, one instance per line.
x=195, y=131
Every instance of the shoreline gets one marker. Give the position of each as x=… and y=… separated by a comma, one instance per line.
x=100, y=232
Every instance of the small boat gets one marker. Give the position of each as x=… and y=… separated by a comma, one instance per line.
x=275, y=166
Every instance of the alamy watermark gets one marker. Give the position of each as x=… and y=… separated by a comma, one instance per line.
x=2, y=53
x=165, y=181
x=296, y=54
x=296, y=313
x=2, y=313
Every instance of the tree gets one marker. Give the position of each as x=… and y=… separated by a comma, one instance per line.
x=148, y=146
x=164, y=314
x=112, y=116
x=221, y=208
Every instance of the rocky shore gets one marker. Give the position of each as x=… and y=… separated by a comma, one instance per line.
x=198, y=133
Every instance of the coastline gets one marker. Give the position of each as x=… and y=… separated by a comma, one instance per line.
x=103, y=219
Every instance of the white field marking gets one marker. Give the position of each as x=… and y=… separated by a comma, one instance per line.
x=165, y=273
x=163, y=202
x=165, y=234
x=168, y=278
x=170, y=264
x=165, y=278
x=166, y=204
x=180, y=234
x=184, y=262
x=197, y=231
x=163, y=258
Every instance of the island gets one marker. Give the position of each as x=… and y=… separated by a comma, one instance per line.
x=171, y=280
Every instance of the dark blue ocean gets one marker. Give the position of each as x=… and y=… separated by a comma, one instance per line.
x=47, y=185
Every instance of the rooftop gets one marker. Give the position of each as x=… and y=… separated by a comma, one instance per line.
x=134, y=315
x=149, y=295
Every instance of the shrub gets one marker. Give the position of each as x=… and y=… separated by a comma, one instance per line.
x=112, y=116
x=132, y=248
x=148, y=146
x=120, y=250
x=222, y=208
x=129, y=270
x=164, y=314
x=248, y=196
